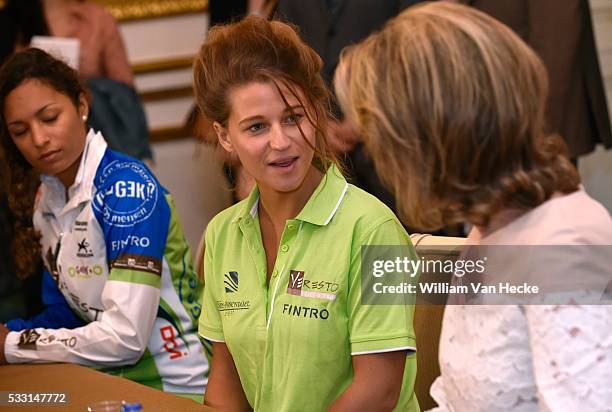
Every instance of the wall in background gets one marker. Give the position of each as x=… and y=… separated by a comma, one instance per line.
x=596, y=168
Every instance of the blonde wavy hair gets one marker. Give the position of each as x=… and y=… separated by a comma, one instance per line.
x=451, y=106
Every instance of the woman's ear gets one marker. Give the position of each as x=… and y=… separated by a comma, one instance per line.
x=83, y=108
x=223, y=137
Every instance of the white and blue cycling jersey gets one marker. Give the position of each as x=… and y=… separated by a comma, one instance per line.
x=119, y=288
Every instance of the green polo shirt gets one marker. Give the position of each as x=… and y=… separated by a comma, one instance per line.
x=292, y=339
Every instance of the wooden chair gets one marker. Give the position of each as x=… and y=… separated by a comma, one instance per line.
x=428, y=317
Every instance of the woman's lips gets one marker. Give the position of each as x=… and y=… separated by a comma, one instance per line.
x=50, y=155
x=284, y=163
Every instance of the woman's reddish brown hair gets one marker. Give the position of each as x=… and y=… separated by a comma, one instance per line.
x=256, y=49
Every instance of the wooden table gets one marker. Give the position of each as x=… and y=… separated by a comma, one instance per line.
x=85, y=386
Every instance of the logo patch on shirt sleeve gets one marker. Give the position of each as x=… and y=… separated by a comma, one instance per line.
x=129, y=196
x=231, y=282
x=138, y=262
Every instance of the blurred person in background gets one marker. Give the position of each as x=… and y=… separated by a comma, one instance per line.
x=561, y=33
x=451, y=105
x=118, y=284
x=328, y=26
x=102, y=52
x=280, y=344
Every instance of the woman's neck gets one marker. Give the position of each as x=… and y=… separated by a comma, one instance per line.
x=505, y=217
x=282, y=206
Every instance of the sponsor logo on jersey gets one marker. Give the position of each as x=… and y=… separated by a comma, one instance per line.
x=130, y=241
x=129, y=201
x=169, y=337
x=84, y=306
x=84, y=271
x=28, y=339
x=231, y=282
x=305, y=312
x=80, y=226
x=228, y=307
x=138, y=262
x=84, y=250
x=320, y=289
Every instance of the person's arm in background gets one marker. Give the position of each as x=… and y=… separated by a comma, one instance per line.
x=342, y=136
x=554, y=30
x=57, y=313
x=115, y=61
x=255, y=7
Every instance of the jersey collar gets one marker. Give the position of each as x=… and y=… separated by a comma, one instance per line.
x=81, y=189
x=326, y=199
x=320, y=208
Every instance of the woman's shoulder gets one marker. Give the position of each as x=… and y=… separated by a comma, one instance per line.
x=360, y=205
x=566, y=219
x=224, y=219
x=585, y=217
x=115, y=166
x=364, y=218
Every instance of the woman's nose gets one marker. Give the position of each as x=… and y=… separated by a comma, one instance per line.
x=279, y=140
x=39, y=136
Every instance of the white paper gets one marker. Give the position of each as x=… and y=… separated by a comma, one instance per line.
x=66, y=49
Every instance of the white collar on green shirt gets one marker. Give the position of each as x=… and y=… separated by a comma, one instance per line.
x=320, y=208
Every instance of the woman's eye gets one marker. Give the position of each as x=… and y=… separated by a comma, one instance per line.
x=256, y=127
x=294, y=118
x=50, y=119
x=19, y=132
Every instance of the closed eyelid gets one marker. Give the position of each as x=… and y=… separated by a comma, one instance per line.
x=17, y=132
x=49, y=116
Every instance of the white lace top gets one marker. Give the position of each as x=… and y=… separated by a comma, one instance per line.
x=532, y=358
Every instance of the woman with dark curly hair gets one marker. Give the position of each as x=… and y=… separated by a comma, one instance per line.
x=451, y=104
x=118, y=281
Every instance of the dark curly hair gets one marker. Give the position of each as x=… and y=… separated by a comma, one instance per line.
x=21, y=181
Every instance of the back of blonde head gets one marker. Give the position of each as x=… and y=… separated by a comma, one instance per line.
x=451, y=104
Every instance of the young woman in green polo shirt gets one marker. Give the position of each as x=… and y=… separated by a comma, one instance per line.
x=283, y=283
